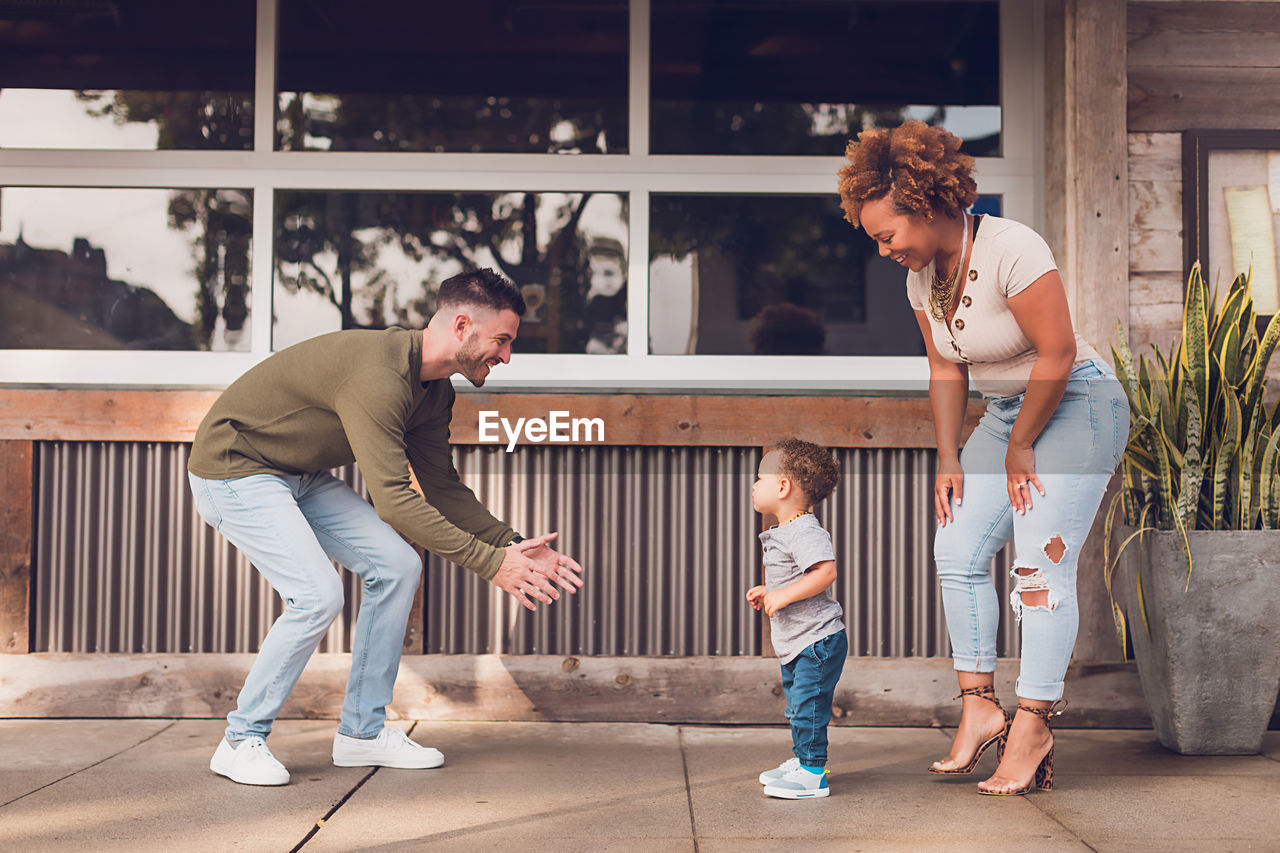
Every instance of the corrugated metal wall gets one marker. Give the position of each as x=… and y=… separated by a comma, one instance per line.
x=667, y=537
x=124, y=563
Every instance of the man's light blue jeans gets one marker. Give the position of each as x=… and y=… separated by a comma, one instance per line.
x=1075, y=456
x=289, y=528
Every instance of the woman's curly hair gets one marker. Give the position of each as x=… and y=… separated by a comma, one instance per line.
x=814, y=470
x=920, y=165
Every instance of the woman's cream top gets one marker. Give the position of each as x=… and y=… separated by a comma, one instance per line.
x=1007, y=257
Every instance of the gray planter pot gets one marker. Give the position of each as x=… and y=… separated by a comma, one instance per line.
x=1210, y=668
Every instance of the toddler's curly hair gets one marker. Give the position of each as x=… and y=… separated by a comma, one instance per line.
x=920, y=165
x=813, y=469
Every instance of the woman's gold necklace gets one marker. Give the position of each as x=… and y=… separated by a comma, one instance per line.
x=943, y=291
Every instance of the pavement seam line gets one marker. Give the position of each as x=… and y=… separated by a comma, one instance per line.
x=1068, y=829
x=311, y=833
x=315, y=828
x=157, y=733
x=1036, y=805
x=688, y=789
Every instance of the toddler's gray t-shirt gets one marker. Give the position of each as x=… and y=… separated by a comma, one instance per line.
x=789, y=551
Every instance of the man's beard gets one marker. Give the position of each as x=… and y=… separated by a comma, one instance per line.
x=470, y=360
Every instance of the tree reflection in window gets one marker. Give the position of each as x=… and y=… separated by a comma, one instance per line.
x=369, y=259
x=128, y=74
x=537, y=76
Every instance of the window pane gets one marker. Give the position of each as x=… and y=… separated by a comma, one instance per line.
x=771, y=275
x=988, y=205
x=348, y=260
x=132, y=74
x=509, y=76
x=125, y=268
x=802, y=76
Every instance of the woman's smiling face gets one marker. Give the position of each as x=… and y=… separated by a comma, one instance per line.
x=907, y=239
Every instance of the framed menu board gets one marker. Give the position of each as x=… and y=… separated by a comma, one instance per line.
x=1231, y=209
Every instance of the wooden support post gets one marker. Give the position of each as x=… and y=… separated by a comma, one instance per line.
x=1086, y=160
x=16, y=531
x=1087, y=217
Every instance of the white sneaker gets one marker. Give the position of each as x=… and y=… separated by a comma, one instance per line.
x=799, y=784
x=778, y=772
x=249, y=763
x=391, y=748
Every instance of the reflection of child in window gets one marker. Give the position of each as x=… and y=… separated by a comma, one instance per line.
x=604, y=311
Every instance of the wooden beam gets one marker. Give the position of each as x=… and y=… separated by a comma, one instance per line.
x=16, y=481
x=1174, y=98
x=676, y=420
x=1087, y=219
x=1098, y=168
x=91, y=414
x=1185, y=58
x=1199, y=34
x=739, y=690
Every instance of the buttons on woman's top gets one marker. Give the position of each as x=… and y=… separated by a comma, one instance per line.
x=959, y=324
x=966, y=301
x=973, y=275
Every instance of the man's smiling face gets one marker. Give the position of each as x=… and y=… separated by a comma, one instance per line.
x=488, y=344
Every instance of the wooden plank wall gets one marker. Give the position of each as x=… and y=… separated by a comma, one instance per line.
x=1191, y=65
x=1203, y=65
x=1155, y=239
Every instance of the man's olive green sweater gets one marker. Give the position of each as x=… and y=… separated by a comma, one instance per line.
x=356, y=396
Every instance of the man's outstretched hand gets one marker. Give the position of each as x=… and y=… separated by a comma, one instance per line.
x=529, y=567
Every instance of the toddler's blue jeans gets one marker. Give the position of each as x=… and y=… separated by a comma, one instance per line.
x=809, y=681
x=1075, y=455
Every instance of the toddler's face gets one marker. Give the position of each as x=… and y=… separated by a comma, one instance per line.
x=764, y=494
x=606, y=275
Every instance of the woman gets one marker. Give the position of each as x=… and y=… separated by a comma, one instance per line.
x=991, y=306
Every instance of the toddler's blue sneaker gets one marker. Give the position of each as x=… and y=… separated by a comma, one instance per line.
x=770, y=776
x=799, y=784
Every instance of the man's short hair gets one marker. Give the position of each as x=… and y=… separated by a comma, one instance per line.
x=481, y=287
x=812, y=468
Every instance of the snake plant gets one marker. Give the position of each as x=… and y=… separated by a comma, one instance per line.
x=1203, y=449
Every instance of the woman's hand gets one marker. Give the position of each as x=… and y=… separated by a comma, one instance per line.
x=1020, y=469
x=949, y=484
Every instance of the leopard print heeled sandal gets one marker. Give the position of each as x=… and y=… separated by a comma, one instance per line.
x=1042, y=779
x=998, y=739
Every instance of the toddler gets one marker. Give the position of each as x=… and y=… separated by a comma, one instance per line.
x=806, y=622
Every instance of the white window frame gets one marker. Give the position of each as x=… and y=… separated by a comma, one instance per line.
x=1017, y=176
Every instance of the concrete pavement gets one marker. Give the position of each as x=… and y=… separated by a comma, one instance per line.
x=144, y=785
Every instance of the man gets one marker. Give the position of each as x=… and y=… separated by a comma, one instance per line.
x=259, y=473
